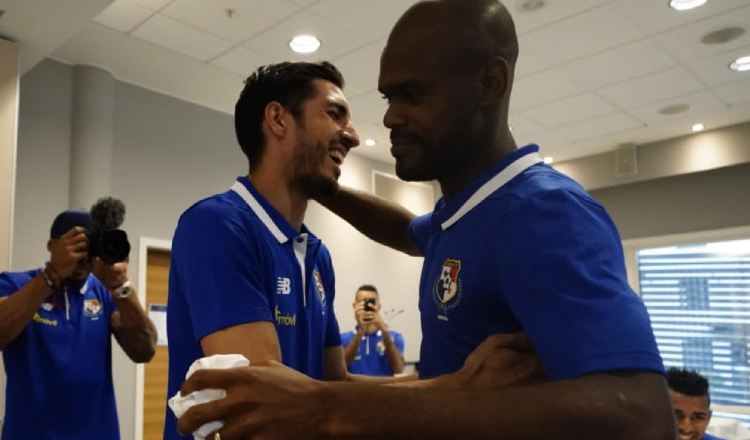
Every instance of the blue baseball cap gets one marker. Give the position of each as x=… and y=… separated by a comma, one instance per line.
x=67, y=220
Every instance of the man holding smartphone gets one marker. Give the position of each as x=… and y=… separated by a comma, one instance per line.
x=372, y=349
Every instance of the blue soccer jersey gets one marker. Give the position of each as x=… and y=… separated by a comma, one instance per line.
x=59, y=368
x=371, y=358
x=526, y=248
x=235, y=260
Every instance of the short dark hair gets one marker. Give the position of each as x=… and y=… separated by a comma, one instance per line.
x=288, y=83
x=368, y=288
x=687, y=382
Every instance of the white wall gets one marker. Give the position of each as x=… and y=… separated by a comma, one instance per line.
x=9, y=96
x=168, y=154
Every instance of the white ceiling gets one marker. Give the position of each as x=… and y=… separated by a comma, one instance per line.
x=592, y=74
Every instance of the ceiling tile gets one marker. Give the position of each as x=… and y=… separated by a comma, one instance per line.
x=123, y=15
x=248, y=19
x=550, y=13
x=368, y=18
x=197, y=82
x=335, y=41
x=650, y=88
x=361, y=68
x=585, y=34
x=699, y=103
x=154, y=5
x=569, y=110
x=540, y=88
x=685, y=42
x=181, y=38
x=715, y=70
x=241, y=61
x=304, y=2
x=599, y=126
x=735, y=93
x=618, y=64
x=656, y=16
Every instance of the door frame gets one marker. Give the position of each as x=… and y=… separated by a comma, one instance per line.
x=145, y=244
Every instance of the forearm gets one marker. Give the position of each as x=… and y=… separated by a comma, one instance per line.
x=350, y=352
x=17, y=309
x=379, y=219
x=395, y=360
x=133, y=329
x=594, y=407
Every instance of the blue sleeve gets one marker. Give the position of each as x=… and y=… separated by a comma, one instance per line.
x=398, y=339
x=220, y=265
x=565, y=281
x=10, y=282
x=7, y=285
x=333, y=335
x=420, y=230
x=346, y=338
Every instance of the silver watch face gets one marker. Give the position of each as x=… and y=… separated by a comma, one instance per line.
x=124, y=291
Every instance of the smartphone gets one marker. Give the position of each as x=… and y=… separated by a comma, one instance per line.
x=369, y=304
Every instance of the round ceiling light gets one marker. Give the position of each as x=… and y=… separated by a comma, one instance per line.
x=304, y=44
x=741, y=64
x=370, y=142
x=684, y=5
x=698, y=127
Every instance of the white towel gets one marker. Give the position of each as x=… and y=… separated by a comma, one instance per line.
x=179, y=404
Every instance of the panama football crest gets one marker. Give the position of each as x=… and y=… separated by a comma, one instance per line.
x=447, y=291
x=319, y=290
x=92, y=308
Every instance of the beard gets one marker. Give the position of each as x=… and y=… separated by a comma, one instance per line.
x=309, y=167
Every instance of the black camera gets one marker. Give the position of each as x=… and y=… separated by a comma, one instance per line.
x=369, y=304
x=106, y=240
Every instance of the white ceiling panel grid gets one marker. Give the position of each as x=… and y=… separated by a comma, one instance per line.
x=232, y=20
x=661, y=85
x=592, y=74
x=181, y=38
x=124, y=15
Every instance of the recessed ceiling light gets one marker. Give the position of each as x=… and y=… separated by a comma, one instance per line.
x=698, y=127
x=741, y=64
x=304, y=44
x=674, y=109
x=724, y=35
x=684, y=5
x=370, y=142
x=548, y=159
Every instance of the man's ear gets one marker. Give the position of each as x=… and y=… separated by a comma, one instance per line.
x=49, y=245
x=276, y=118
x=495, y=81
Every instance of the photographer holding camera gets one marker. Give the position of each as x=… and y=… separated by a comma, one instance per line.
x=55, y=326
x=373, y=349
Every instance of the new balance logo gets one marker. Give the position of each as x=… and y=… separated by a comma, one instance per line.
x=283, y=286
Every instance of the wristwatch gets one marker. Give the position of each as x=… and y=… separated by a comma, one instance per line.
x=124, y=291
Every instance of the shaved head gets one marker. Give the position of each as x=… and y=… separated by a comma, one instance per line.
x=473, y=31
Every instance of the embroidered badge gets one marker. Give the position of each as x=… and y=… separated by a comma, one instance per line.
x=92, y=308
x=447, y=290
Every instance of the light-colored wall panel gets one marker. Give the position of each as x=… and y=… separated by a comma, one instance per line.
x=8, y=131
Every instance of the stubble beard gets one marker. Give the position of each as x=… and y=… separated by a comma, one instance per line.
x=308, y=169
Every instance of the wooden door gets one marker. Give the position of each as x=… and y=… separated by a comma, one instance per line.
x=155, y=372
